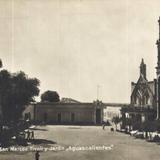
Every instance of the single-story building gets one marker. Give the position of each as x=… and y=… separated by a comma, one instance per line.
x=65, y=113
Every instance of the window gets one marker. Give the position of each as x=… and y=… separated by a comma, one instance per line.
x=72, y=117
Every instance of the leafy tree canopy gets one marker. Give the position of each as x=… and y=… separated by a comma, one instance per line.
x=50, y=96
x=16, y=91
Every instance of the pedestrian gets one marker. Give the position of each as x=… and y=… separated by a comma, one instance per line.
x=37, y=155
x=32, y=135
x=28, y=135
x=112, y=129
x=104, y=126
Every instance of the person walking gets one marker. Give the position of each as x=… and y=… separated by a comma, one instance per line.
x=104, y=126
x=28, y=135
x=32, y=135
x=37, y=155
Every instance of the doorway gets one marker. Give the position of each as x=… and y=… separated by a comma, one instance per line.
x=98, y=116
x=59, y=117
x=72, y=117
x=45, y=117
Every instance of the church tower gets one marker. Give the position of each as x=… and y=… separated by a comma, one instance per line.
x=158, y=74
x=143, y=69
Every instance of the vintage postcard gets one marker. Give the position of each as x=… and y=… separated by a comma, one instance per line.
x=79, y=79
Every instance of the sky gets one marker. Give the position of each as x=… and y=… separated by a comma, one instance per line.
x=73, y=46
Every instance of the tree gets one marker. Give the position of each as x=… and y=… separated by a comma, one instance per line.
x=16, y=91
x=5, y=86
x=50, y=96
x=1, y=63
x=116, y=120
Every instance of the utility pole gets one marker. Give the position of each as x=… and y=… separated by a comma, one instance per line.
x=98, y=91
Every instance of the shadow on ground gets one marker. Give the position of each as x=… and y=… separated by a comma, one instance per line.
x=24, y=143
x=74, y=128
x=38, y=129
x=42, y=141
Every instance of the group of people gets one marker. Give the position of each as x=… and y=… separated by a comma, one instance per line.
x=29, y=135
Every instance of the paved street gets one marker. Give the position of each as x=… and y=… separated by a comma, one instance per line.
x=112, y=145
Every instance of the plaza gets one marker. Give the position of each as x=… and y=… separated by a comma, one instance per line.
x=83, y=143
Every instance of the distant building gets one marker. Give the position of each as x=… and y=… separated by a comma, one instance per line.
x=65, y=113
x=110, y=112
x=70, y=111
x=69, y=100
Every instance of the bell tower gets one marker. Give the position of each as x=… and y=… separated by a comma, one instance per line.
x=158, y=73
x=143, y=69
x=158, y=47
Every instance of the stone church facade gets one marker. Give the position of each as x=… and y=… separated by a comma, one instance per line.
x=142, y=101
x=143, y=92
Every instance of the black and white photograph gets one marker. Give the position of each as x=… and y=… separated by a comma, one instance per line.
x=79, y=79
